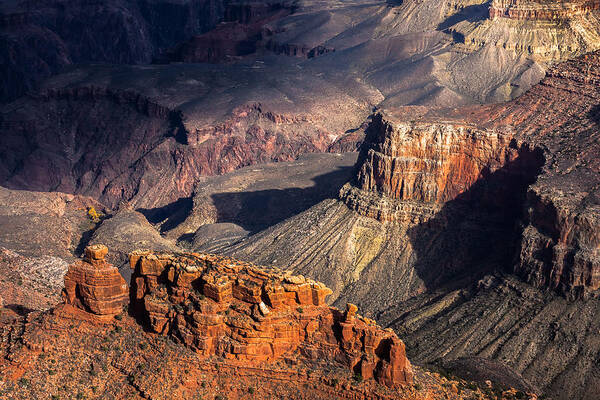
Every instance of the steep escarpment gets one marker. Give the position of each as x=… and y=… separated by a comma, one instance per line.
x=541, y=10
x=543, y=30
x=428, y=203
x=117, y=145
x=559, y=115
x=405, y=164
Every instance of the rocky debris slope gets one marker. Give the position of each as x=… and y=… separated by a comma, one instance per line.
x=44, y=224
x=30, y=283
x=544, y=339
x=254, y=198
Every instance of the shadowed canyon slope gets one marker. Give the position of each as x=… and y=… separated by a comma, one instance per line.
x=444, y=204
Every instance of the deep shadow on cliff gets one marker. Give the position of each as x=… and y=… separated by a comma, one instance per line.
x=258, y=210
x=254, y=210
x=478, y=232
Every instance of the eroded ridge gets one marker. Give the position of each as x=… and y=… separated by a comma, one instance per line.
x=232, y=309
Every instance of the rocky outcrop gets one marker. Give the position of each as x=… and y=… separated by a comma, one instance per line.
x=235, y=310
x=95, y=286
x=407, y=170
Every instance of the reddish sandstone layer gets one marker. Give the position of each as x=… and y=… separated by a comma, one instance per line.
x=94, y=285
x=235, y=310
x=429, y=162
x=541, y=10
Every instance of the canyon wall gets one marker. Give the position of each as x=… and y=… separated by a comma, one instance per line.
x=92, y=155
x=406, y=166
x=544, y=142
x=40, y=39
x=543, y=10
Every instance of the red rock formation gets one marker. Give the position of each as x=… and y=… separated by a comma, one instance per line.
x=541, y=10
x=94, y=285
x=431, y=163
x=235, y=310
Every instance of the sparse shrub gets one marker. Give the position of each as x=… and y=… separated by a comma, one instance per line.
x=80, y=396
x=130, y=378
x=418, y=386
x=143, y=345
x=119, y=317
x=55, y=397
x=118, y=329
x=51, y=372
x=203, y=384
x=93, y=215
x=300, y=310
x=220, y=397
x=357, y=378
x=334, y=382
x=24, y=382
x=251, y=390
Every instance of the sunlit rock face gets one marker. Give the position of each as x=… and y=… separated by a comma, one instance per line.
x=543, y=10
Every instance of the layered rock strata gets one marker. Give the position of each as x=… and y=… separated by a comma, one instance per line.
x=543, y=10
x=220, y=306
x=407, y=168
x=95, y=286
x=555, y=126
